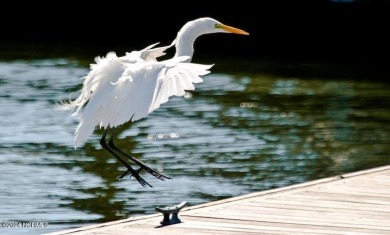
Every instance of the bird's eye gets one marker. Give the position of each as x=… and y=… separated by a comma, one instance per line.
x=217, y=26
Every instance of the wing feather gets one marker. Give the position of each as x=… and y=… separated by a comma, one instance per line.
x=181, y=76
x=138, y=90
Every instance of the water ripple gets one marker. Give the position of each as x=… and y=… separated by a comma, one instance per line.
x=233, y=135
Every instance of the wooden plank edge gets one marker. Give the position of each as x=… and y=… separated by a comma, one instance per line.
x=233, y=199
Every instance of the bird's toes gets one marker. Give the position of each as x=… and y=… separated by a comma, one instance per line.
x=123, y=175
x=136, y=173
x=155, y=173
x=142, y=181
x=159, y=176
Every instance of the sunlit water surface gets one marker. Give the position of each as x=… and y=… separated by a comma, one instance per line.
x=234, y=135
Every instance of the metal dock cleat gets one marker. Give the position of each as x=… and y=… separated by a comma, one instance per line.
x=167, y=211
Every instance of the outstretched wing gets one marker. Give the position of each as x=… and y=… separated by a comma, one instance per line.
x=141, y=89
x=174, y=81
x=110, y=68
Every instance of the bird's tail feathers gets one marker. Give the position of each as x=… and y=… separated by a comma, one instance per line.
x=83, y=131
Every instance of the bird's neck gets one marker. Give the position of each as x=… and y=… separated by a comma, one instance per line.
x=185, y=40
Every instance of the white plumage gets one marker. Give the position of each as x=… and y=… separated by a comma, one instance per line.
x=128, y=88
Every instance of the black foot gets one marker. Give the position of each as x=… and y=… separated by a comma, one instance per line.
x=142, y=165
x=123, y=175
x=116, y=152
x=155, y=173
x=128, y=171
x=136, y=175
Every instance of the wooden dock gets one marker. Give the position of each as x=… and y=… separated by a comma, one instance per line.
x=355, y=203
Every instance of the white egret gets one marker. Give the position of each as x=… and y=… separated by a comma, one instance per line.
x=128, y=88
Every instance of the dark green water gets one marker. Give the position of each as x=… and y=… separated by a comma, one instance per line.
x=237, y=133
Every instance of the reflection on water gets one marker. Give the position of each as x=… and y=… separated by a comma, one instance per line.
x=235, y=134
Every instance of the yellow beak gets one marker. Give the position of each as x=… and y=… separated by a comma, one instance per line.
x=231, y=29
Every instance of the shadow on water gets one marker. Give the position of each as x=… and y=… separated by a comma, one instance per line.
x=237, y=133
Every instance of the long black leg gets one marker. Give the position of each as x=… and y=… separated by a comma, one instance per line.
x=129, y=168
x=142, y=165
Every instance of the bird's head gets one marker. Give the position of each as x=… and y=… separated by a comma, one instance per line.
x=193, y=29
x=210, y=25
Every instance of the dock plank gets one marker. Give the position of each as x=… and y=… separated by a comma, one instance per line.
x=356, y=203
x=288, y=227
x=343, y=207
